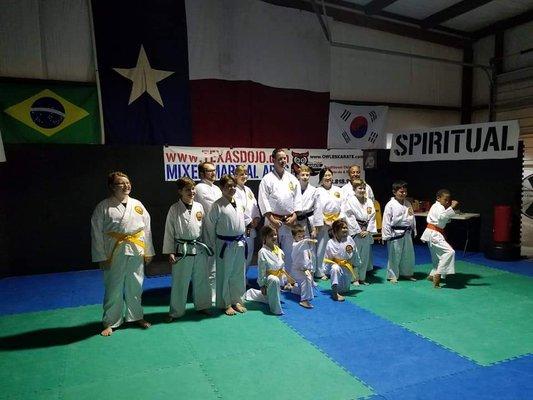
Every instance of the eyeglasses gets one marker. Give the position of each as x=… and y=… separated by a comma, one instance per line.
x=122, y=184
x=209, y=170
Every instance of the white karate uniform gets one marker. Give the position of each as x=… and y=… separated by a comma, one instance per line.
x=329, y=202
x=361, y=217
x=206, y=194
x=183, y=224
x=345, y=250
x=442, y=254
x=269, y=260
x=227, y=220
x=348, y=191
x=251, y=211
x=302, y=269
x=124, y=277
x=281, y=196
x=401, y=260
x=309, y=205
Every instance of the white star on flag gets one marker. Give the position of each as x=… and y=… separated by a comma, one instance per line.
x=144, y=78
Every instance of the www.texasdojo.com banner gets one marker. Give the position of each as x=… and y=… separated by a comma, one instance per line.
x=183, y=161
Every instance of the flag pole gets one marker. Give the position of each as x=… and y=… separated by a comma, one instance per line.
x=102, y=131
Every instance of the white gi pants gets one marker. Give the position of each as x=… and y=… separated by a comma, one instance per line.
x=285, y=243
x=364, y=249
x=230, y=286
x=272, y=297
x=442, y=255
x=251, y=245
x=182, y=271
x=123, y=283
x=322, y=239
x=401, y=257
x=305, y=284
x=340, y=277
x=210, y=260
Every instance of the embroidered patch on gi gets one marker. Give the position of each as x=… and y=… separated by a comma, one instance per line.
x=369, y=210
x=138, y=210
x=337, y=195
x=349, y=248
x=250, y=196
x=410, y=211
x=199, y=215
x=291, y=186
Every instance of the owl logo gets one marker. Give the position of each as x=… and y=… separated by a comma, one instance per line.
x=369, y=210
x=199, y=215
x=303, y=159
x=349, y=249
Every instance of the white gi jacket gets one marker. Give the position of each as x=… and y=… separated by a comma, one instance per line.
x=182, y=224
x=397, y=215
x=359, y=216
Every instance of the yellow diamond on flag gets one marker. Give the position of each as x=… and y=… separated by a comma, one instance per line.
x=46, y=112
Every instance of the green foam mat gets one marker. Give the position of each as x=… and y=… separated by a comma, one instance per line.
x=481, y=313
x=59, y=355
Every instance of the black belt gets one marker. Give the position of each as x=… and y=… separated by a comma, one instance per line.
x=303, y=216
x=193, y=242
x=229, y=239
x=362, y=224
x=405, y=229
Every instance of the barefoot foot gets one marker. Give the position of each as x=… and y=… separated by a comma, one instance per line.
x=143, y=324
x=240, y=308
x=230, y=311
x=107, y=331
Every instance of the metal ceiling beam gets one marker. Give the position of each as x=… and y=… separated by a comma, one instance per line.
x=377, y=5
x=360, y=19
x=451, y=12
x=504, y=25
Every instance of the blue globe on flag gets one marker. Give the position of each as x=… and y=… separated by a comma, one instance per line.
x=47, y=112
x=358, y=127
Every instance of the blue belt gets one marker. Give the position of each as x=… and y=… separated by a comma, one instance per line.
x=228, y=239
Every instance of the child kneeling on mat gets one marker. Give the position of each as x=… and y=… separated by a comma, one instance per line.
x=339, y=260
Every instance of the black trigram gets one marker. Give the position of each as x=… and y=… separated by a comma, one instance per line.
x=373, y=136
x=373, y=116
x=346, y=137
x=345, y=115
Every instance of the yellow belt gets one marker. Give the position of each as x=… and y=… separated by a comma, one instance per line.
x=132, y=238
x=342, y=263
x=279, y=273
x=331, y=217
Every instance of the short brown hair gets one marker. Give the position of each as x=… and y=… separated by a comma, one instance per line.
x=304, y=168
x=201, y=167
x=225, y=179
x=240, y=168
x=276, y=151
x=297, y=229
x=112, y=175
x=185, y=182
x=337, y=225
x=358, y=182
x=266, y=231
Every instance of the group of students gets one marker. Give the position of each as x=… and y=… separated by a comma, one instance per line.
x=324, y=232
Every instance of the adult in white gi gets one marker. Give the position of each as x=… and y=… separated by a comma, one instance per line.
x=122, y=245
x=354, y=172
x=442, y=254
x=187, y=254
x=227, y=221
x=251, y=211
x=206, y=194
x=397, y=228
x=271, y=273
x=330, y=199
x=279, y=199
x=341, y=260
x=303, y=265
x=361, y=218
x=310, y=211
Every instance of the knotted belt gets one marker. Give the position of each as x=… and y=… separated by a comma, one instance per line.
x=192, y=242
x=279, y=273
x=405, y=229
x=331, y=217
x=301, y=217
x=435, y=228
x=342, y=263
x=229, y=239
x=132, y=238
x=362, y=224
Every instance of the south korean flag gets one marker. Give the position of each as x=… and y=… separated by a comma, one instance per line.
x=356, y=127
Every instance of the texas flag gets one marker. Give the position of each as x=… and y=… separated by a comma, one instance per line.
x=356, y=127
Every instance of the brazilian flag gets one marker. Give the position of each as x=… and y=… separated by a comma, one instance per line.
x=47, y=112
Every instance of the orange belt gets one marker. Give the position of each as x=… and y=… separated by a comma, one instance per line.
x=435, y=228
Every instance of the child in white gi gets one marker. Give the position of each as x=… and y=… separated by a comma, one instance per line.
x=187, y=254
x=330, y=201
x=361, y=218
x=341, y=260
x=302, y=265
x=122, y=245
x=397, y=228
x=442, y=254
x=227, y=221
x=310, y=210
x=251, y=212
x=271, y=272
